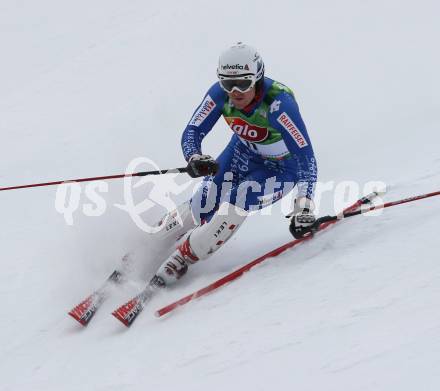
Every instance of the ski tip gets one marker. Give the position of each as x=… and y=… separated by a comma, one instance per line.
x=121, y=318
x=78, y=318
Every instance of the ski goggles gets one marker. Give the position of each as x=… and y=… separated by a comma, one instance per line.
x=241, y=84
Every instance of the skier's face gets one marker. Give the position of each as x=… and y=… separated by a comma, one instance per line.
x=241, y=99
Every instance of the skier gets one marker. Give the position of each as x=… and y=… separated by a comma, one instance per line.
x=269, y=153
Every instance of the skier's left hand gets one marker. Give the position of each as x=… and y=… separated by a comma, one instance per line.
x=302, y=217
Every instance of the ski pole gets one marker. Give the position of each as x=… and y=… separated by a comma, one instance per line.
x=142, y=173
x=239, y=272
x=316, y=225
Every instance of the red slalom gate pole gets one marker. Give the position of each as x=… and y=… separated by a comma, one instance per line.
x=326, y=219
x=403, y=201
x=98, y=178
x=237, y=273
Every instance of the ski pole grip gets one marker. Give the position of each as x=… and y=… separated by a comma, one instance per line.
x=160, y=172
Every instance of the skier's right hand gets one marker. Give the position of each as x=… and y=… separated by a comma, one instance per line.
x=201, y=165
x=302, y=217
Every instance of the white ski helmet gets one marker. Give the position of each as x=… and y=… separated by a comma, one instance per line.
x=239, y=67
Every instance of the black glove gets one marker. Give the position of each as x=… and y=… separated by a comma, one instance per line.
x=201, y=165
x=302, y=218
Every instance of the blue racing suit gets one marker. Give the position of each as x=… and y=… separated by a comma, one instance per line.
x=269, y=153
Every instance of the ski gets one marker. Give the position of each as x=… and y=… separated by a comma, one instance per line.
x=128, y=312
x=84, y=311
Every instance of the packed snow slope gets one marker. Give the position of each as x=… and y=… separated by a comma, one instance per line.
x=87, y=86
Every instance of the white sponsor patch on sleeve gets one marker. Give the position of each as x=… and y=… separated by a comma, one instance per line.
x=287, y=123
x=275, y=106
x=203, y=111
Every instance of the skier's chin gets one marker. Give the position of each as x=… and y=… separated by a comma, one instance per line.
x=239, y=103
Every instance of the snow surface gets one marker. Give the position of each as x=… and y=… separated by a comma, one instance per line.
x=88, y=86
